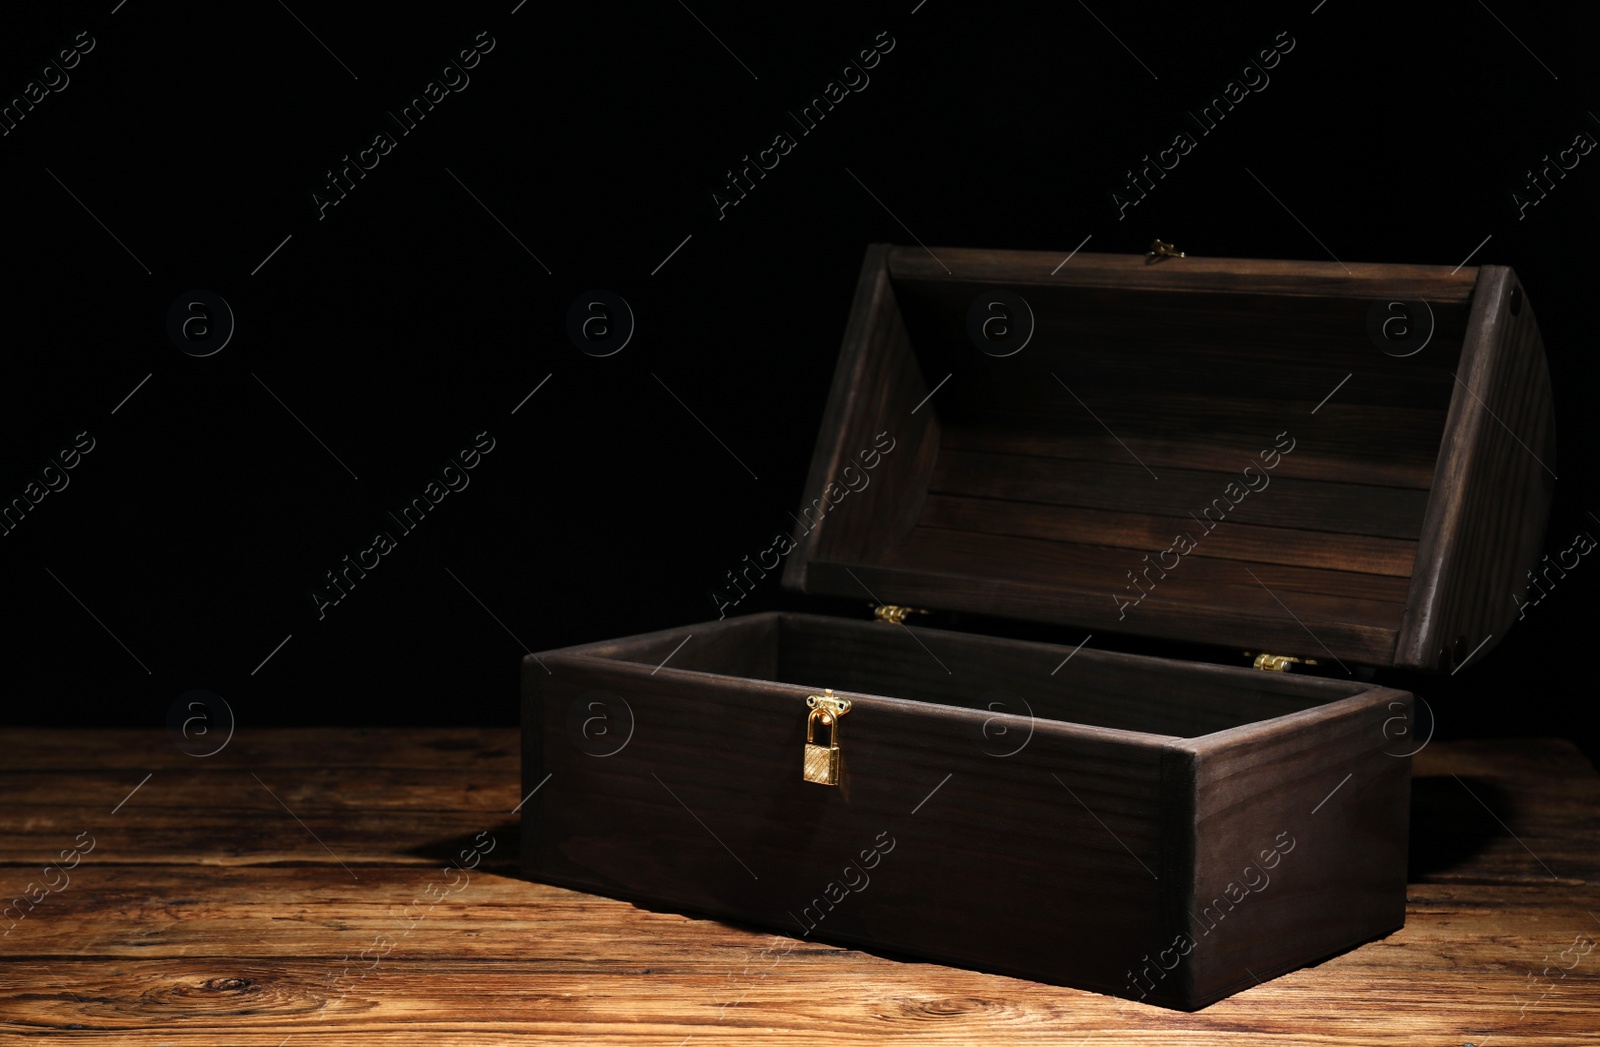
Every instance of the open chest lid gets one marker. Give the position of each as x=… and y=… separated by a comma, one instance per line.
x=1348, y=463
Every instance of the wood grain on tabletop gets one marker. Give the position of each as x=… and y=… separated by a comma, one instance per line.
x=207, y=913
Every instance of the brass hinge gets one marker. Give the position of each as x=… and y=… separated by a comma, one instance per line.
x=894, y=613
x=1278, y=663
x=1161, y=249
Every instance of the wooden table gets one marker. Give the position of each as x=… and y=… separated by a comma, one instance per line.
x=228, y=899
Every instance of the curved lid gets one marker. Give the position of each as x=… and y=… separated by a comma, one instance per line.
x=1214, y=450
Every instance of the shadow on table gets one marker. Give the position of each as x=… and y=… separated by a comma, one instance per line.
x=1450, y=826
x=496, y=847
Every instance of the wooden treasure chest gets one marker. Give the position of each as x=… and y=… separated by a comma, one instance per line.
x=1349, y=466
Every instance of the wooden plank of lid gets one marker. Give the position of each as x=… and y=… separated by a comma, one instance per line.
x=1133, y=272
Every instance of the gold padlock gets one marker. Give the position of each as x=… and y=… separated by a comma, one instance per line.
x=822, y=761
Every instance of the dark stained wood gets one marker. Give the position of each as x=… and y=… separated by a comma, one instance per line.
x=1182, y=699
x=1066, y=793
x=1493, y=486
x=1436, y=283
x=1140, y=532
x=1031, y=490
x=1169, y=612
x=1324, y=452
x=1146, y=343
x=1323, y=509
x=872, y=418
x=729, y=646
x=1345, y=595
x=1300, y=840
x=1023, y=679
x=138, y=950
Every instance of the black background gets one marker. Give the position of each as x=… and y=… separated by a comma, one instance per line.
x=407, y=319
